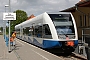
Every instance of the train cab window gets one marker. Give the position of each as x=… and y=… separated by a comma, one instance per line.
x=65, y=30
x=63, y=23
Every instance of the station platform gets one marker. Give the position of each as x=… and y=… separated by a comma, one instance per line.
x=4, y=54
x=25, y=51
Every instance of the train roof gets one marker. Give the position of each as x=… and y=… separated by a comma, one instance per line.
x=37, y=17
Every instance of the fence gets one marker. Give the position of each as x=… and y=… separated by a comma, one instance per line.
x=86, y=41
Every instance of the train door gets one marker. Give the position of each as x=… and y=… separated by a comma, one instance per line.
x=38, y=35
x=46, y=32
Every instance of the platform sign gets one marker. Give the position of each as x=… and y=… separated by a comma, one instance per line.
x=9, y=16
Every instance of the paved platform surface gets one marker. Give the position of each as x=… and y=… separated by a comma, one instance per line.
x=4, y=55
x=25, y=51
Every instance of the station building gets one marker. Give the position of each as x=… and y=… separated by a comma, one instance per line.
x=81, y=13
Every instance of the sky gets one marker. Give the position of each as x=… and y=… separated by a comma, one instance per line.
x=35, y=7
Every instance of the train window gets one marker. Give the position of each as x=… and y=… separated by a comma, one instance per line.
x=46, y=31
x=65, y=30
x=30, y=31
x=38, y=31
x=60, y=17
x=42, y=31
x=26, y=31
x=18, y=31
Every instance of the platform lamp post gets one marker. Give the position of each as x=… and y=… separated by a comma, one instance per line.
x=9, y=49
x=5, y=22
x=9, y=16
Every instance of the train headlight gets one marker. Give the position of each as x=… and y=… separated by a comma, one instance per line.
x=70, y=43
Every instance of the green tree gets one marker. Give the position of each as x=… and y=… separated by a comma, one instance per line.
x=1, y=28
x=21, y=16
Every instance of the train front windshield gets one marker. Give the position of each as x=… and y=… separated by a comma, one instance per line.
x=63, y=23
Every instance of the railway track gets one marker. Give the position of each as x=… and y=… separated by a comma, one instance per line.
x=73, y=56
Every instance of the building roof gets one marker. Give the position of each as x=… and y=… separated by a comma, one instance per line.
x=31, y=16
x=71, y=9
x=83, y=3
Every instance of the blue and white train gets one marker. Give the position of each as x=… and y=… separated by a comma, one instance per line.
x=53, y=31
